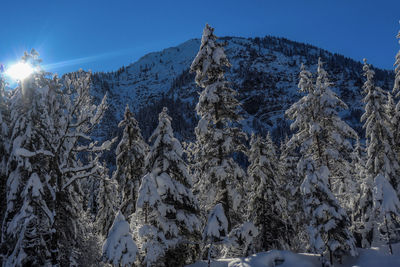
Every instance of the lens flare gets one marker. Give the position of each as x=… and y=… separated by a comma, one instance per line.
x=19, y=71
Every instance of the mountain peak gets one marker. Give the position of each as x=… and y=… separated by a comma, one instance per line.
x=264, y=72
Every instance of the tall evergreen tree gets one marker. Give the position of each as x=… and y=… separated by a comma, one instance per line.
x=335, y=133
x=323, y=141
x=27, y=222
x=290, y=187
x=395, y=119
x=168, y=196
x=106, y=201
x=381, y=165
x=4, y=144
x=266, y=209
x=355, y=200
x=219, y=178
x=131, y=153
x=329, y=224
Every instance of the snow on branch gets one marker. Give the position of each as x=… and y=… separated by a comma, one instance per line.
x=26, y=153
x=105, y=146
x=79, y=176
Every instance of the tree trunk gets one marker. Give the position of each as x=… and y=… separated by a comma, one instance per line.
x=56, y=210
x=388, y=237
x=54, y=234
x=209, y=254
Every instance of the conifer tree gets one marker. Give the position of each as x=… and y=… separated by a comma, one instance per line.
x=167, y=195
x=293, y=199
x=381, y=165
x=265, y=200
x=219, y=178
x=335, y=133
x=27, y=221
x=106, y=201
x=323, y=141
x=131, y=153
x=119, y=248
x=354, y=199
x=241, y=241
x=4, y=144
x=329, y=224
x=395, y=118
x=216, y=229
x=348, y=191
x=149, y=211
x=91, y=188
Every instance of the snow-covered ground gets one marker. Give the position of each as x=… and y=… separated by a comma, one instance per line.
x=374, y=257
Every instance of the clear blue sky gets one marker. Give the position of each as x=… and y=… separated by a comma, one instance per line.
x=104, y=35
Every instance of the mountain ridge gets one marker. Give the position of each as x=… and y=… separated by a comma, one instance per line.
x=264, y=72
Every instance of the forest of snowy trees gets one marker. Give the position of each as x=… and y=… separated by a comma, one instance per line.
x=322, y=190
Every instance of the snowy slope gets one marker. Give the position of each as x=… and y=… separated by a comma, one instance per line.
x=374, y=257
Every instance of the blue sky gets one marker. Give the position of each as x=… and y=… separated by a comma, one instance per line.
x=104, y=35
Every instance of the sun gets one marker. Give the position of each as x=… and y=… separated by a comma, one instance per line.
x=20, y=71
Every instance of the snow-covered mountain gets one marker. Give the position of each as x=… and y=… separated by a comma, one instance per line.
x=264, y=71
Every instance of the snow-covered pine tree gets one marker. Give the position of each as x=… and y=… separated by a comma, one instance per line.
x=219, y=178
x=387, y=204
x=265, y=200
x=290, y=186
x=349, y=189
x=323, y=141
x=335, y=134
x=381, y=162
x=355, y=200
x=149, y=210
x=329, y=224
x=175, y=209
x=106, y=201
x=27, y=220
x=4, y=144
x=91, y=188
x=45, y=222
x=131, y=153
x=368, y=214
x=391, y=113
x=119, y=248
x=395, y=119
x=216, y=229
x=241, y=240
x=390, y=109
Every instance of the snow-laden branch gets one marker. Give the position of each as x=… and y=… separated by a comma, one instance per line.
x=77, y=135
x=79, y=176
x=26, y=153
x=93, y=148
x=78, y=169
x=105, y=146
